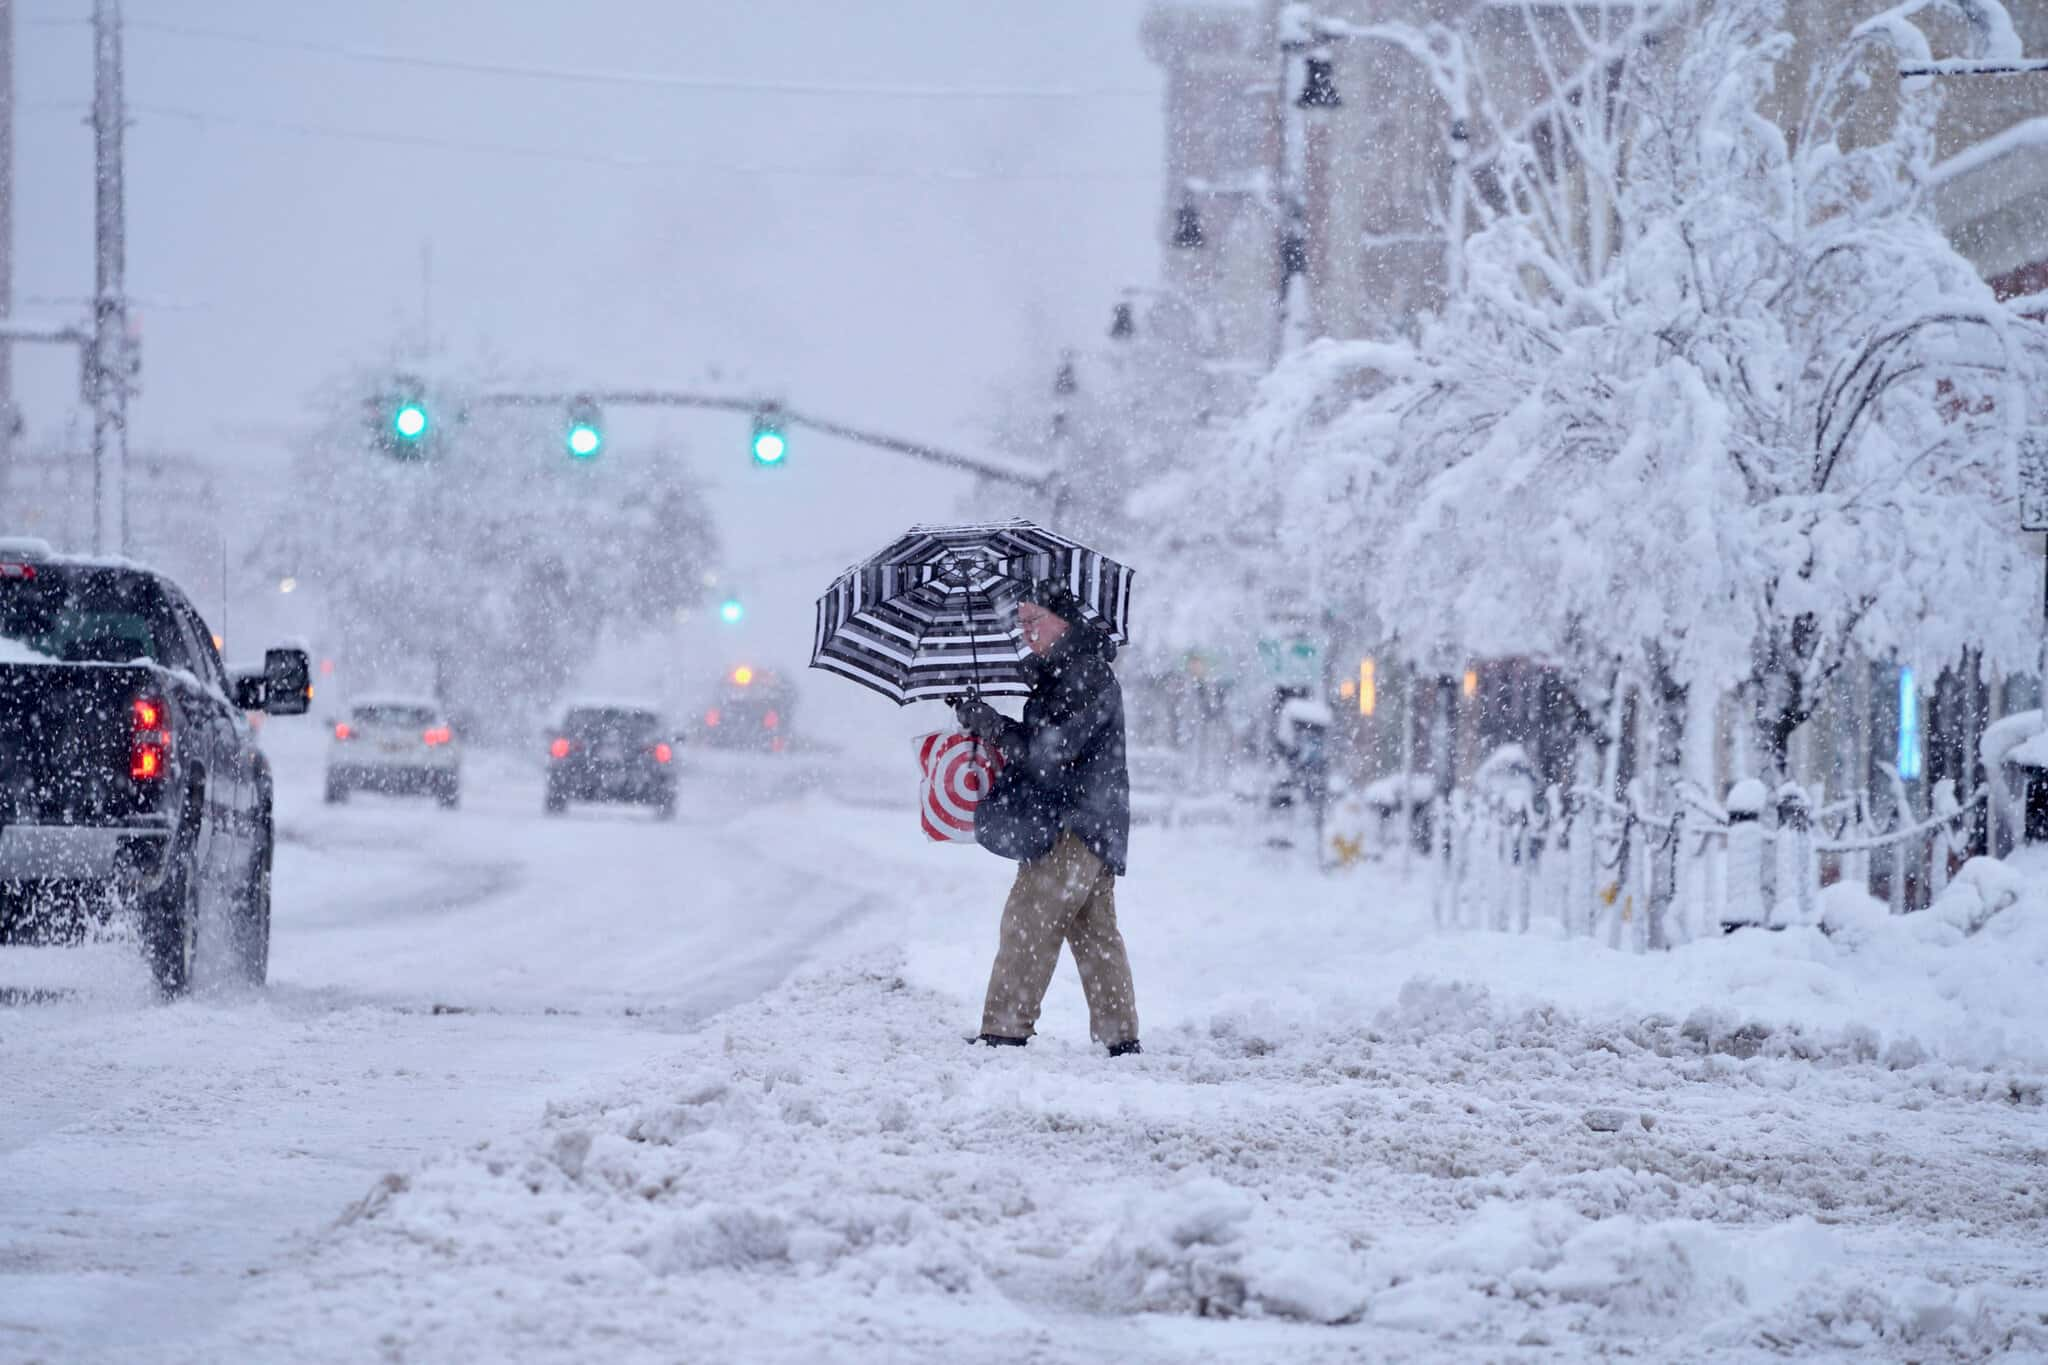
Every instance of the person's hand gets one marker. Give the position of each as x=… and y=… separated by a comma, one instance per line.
x=979, y=719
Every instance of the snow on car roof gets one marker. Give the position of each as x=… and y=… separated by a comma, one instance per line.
x=394, y=699
x=609, y=704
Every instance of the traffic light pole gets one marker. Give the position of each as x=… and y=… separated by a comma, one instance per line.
x=987, y=466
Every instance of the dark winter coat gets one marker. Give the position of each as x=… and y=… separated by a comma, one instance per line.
x=1063, y=763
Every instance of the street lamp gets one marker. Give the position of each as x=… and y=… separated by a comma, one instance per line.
x=1318, y=88
x=1305, y=67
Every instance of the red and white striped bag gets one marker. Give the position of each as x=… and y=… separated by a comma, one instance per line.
x=957, y=771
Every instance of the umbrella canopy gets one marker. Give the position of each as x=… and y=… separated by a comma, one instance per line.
x=934, y=614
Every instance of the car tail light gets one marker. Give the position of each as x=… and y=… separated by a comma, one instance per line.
x=149, y=749
x=22, y=571
x=342, y=731
x=771, y=721
x=662, y=753
x=711, y=718
x=559, y=749
x=440, y=734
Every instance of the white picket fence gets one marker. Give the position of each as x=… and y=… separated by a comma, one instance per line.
x=1641, y=879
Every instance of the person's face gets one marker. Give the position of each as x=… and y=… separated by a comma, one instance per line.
x=1041, y=629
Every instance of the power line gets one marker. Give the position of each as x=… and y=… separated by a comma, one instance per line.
x=205, y=118
x=349, y=52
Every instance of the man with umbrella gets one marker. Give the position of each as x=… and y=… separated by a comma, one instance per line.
x=1061, y=805
x=1012, y=609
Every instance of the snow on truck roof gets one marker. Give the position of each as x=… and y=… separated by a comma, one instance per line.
x=36, y=551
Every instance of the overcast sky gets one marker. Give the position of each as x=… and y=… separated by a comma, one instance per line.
x=884, y=259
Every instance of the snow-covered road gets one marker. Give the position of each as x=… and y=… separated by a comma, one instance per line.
x=1350, y=1137
x=437, y=977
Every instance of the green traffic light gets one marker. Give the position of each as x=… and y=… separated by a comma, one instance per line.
x=731, y=611
x=410, y=421
x=584, y=440
x=769, y=445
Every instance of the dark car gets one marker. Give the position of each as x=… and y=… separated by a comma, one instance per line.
x=611, y=753
x=750, y=710
x=130, y=779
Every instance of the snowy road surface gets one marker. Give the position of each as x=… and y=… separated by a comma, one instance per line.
x=1350, y=1137
x=436, y=978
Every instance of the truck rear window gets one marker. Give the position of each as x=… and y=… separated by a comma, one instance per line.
x=393, y=715
x=91, y=616
x=611, y=723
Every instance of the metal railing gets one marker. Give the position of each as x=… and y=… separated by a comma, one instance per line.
x=1641, y=877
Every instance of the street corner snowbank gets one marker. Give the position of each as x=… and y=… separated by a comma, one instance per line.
x=830, y=1172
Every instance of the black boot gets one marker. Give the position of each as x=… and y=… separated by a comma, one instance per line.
x=1128, y=1048
x=998, y=1040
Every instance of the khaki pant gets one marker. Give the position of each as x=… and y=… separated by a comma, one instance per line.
x=1068, y=895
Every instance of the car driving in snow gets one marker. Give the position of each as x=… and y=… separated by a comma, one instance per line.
x=617, y=752
x=749, y=710
x=395, y=746
x=130, y=778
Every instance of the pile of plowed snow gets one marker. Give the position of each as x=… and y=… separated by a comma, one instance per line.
x=830, y=1173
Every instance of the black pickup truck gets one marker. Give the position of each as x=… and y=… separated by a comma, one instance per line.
x=130, y=779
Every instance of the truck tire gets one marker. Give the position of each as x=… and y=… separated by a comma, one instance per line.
x=448, y=791
x=557, y=799
x=250, y=924
x=170, y=925
x=337, y=790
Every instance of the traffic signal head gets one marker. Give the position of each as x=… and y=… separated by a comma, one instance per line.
x=585, y=436
x=770, y=445
x=731, y=611
x=401, y=425
x=409, y=423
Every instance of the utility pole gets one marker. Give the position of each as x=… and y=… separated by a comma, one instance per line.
x=8, y=418
x=107, y=366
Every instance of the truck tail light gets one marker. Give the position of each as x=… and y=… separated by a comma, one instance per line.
x=342, y=731
x=559, y=749
x=771, y=721
x=711, y=718
x=440, y=734
x=149, y=748
x=662, y=753
x=23, y=572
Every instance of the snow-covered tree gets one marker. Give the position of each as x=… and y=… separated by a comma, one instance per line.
x=492, y=567
x=1714, y=400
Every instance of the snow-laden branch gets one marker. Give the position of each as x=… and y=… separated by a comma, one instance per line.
x=1719, y=404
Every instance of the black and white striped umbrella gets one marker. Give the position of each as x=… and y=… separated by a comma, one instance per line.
x=934, y=614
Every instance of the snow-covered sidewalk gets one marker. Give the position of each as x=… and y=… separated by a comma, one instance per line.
x=1349, y=1137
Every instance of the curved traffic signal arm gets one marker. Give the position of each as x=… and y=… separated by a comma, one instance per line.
x=772, y=424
